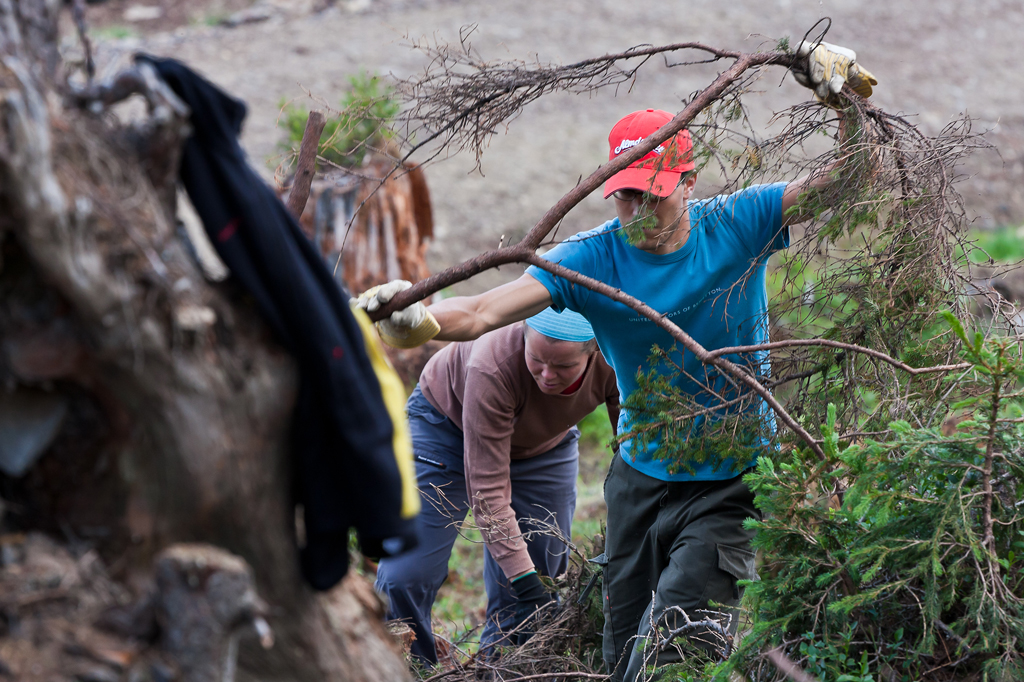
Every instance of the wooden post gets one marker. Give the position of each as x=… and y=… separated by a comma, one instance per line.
x=306, y=166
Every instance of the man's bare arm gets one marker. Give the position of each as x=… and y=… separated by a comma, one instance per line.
x=820, y=178
x=465, y=318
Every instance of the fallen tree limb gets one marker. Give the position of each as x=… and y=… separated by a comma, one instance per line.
x=525, y=251
x=520, y=85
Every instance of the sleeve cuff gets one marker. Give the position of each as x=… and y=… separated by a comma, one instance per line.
x=548, y=280
x=513, y=563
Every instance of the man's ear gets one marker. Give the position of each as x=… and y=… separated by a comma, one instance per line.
x=688, y=185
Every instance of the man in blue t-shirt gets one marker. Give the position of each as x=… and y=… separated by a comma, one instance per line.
x=675, y=529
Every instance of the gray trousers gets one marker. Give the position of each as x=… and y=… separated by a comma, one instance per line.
x=682, y=542
x=543, y=488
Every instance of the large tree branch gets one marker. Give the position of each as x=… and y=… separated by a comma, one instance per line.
x=503, y=95
x=519, y=252
x=688, y=342
x=792, y=343
x=525, y=250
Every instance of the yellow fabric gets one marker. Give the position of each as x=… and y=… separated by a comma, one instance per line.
x=828, y=63
x=364, y=298
x=861, y=80
x=409, y=337
x=394, y=399
x=401, y=335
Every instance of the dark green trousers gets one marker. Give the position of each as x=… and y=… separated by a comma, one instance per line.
x=669, y=544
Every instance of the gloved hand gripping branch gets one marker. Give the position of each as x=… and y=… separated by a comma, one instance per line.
x=406, y=328
x=531, y=597
x=824, y=68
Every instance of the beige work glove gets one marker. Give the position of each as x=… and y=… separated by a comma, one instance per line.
x=406, y=328
x=826, y=67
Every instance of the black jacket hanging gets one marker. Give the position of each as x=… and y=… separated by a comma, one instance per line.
x=344, y=468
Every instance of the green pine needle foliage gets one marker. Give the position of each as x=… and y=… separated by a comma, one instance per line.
x=897, y=555
x=365, y=123
x=725, y=427
x=899, y=559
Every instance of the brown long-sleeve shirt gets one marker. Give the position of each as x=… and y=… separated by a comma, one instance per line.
x=485, y=389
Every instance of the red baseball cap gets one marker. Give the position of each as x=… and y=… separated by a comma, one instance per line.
x=659, y=171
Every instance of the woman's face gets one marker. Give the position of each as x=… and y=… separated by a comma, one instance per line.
x=554, y=364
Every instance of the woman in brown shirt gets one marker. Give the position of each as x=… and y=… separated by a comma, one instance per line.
x=493, y=429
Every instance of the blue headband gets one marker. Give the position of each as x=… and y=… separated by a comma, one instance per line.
x=566, y=325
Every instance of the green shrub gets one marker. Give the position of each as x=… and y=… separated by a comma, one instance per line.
x=899, y=559
x=368, y=112
x=1003, y=245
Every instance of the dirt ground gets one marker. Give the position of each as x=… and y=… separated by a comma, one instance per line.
x=935, y=60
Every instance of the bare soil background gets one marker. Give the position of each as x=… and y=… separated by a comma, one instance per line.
x=935, y=59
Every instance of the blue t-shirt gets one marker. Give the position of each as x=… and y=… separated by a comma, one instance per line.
x=713, y=288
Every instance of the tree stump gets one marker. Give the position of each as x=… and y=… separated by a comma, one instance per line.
x=374, y=232
x=177, y=391
x=384, y=229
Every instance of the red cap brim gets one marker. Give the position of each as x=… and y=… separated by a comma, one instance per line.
x=658, y=183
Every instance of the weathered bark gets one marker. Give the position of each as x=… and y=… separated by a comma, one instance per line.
x=373, y=231
x=306, y=166
x=194, y=395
